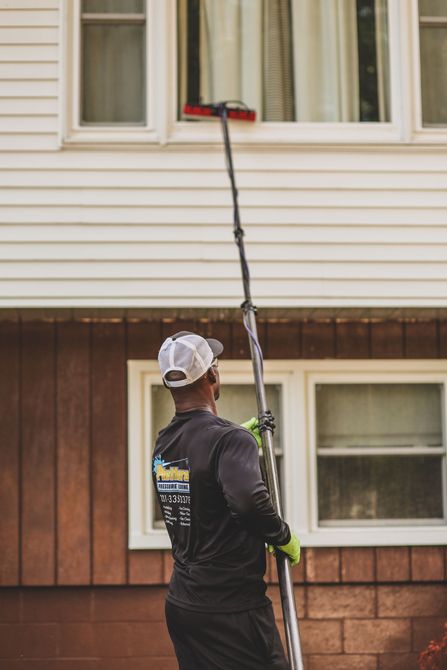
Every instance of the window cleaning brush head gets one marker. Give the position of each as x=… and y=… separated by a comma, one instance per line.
x=234, y=110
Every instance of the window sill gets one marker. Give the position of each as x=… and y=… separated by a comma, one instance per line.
x=155, y=539
x=79, y=137
x=436, y=136
x=255, y=135
x=330, y=537
x=377, y=537
x=242, y=132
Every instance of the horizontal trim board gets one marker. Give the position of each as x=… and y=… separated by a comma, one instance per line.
x=337, y=316
x=222, y=233
x=286, y=292
x=98, y=302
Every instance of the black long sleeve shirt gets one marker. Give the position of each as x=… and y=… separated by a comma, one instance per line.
x=217, y=511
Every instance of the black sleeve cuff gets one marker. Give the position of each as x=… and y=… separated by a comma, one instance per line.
x=281, y=538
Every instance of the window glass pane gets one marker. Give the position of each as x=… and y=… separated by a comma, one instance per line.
x=113, y=74
x=113, y=6
x=433, y=43
x=236, y=403
x=379, y=487
x=382, y=416
x=432, y=8
x=379, y=415
x=298, y=60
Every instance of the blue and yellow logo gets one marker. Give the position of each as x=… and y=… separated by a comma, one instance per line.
x=170, y=477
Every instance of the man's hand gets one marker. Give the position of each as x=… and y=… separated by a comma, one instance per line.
x=292, y=550
x=252, y=425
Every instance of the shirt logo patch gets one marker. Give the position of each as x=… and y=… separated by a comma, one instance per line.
x=170, y=477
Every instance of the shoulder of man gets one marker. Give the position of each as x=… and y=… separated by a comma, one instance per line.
x=229, y=433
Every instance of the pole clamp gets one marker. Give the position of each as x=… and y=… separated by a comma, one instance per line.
x=267, y=422
x=247, y=306
x=238, y=233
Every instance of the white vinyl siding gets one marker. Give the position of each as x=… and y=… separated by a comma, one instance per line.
x=326, y=225
x=29, y=73
x=130, y=229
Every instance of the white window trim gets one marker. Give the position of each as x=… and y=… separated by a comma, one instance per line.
x=71, y=132
x=163, y=127
x=285, y=133
x=142, y=375
x=297, y=379
x=398, y=372
x=421, y=134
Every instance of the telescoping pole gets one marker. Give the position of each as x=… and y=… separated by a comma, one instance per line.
x=249, y=318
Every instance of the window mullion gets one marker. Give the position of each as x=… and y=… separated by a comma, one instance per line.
x=113, y=18
x=433, y=21
x=381, y=451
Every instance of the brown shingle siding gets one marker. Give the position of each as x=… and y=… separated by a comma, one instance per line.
x=64, y=514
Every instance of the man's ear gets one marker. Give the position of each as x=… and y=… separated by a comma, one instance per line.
x=212, y=375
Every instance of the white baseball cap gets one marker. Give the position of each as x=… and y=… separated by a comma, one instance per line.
x=187, y=353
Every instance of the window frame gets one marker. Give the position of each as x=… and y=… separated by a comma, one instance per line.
x=296, y=133
x=421, y=134
x=164, y=128
x=343, y=377
x=297, y=379
x=71, y=132
x=142, y=376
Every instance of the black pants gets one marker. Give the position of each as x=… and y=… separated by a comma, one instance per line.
x=226, y=641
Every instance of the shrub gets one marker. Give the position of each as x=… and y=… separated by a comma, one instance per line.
x=434, y=657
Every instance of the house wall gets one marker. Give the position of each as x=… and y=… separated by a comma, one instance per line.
x=73, y=596
x=347, y=225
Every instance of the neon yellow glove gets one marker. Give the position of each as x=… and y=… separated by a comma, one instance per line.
x=292, y=550
x=252, y=425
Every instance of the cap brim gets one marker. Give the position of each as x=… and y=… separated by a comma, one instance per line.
x=215, y=346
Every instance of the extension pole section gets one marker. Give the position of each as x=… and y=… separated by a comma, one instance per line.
x=249, y=314
x=284, y=572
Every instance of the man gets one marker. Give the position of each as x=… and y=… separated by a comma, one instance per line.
x=219, y=517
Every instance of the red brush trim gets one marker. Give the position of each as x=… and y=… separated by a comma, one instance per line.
x=239, y=114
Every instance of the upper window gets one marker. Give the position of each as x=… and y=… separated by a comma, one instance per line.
x=315, y=71
x=113, y=62
x=291, y=60
x=433, y=54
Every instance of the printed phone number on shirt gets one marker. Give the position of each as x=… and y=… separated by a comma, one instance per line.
x=174, y=498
